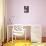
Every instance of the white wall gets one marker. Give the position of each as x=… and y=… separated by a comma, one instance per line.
x=39, y=14
x=36, y=15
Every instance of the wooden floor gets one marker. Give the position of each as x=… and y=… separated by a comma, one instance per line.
x=23, y=43
x=18, y=43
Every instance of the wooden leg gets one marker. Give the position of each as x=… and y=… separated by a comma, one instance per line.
x=12, y=36
x=7, y=34
x=15, y=38
x=25, y=36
